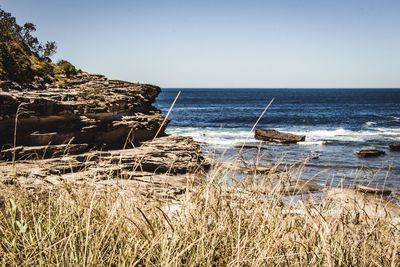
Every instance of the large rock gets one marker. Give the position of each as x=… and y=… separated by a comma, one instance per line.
x=88, y=109
x=275, y=136
x=370, y=153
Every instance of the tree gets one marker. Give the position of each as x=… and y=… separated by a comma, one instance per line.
x=8, y=23
x=23, y=58
x=49, y=49
x=31, y=41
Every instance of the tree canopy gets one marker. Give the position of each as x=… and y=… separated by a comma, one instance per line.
x=8, y=25
x=23, y=58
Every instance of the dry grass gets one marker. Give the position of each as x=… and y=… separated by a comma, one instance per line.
x=213, y=225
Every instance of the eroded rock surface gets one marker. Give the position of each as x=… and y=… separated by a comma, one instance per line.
x=168, y=159
x=92, y=130
x=88, y=109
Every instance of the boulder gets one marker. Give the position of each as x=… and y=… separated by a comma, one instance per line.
x=275, y=136
x=394, y=147
x=370, y=153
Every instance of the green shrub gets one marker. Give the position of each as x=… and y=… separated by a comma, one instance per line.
x=67, y=68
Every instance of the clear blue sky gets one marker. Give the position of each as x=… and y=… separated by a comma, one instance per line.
x=246, y=43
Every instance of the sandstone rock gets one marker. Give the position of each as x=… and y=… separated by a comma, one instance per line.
x=370, y=153
x=41, y=152
x=394, y=147
x=275, y=136
x=249, y=169
x=88, y=109
x=96, y=131
x=169, y=155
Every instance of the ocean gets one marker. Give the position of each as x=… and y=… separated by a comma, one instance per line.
x=336, y=122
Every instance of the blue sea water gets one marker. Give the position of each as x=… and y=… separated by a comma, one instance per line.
x=336, y=122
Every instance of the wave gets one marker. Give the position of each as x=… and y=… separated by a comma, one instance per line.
x=312, y=143
x=395, y=118
x=220, y=137
x=227, y=137
x=341, y=134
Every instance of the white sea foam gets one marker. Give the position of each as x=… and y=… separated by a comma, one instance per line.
x=311, y=143
x=220, y=137
x=350, y=136
x=370, y=123
x=330, y=135
x=388, y=131
x=228, y=137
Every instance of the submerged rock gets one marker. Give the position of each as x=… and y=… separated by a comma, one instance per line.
x=275, y=136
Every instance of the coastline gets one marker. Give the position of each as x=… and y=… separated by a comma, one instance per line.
x=157, y=190
x=337, y=125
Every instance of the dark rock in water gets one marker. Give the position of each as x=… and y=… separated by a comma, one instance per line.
x=88, y=109
x=251, y=147
x=394, y=147
x=314, y=156
x=373, y=190
x=370, y=153
x=275, y=136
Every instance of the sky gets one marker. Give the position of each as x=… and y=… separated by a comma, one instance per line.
x=221, y=43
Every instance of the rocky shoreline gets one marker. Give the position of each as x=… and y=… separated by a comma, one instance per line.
x=90, y=129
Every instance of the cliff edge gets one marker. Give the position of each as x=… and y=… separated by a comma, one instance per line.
x=60, y=125
x=87, y=109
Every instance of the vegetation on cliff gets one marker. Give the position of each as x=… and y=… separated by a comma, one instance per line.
x=23, y=58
